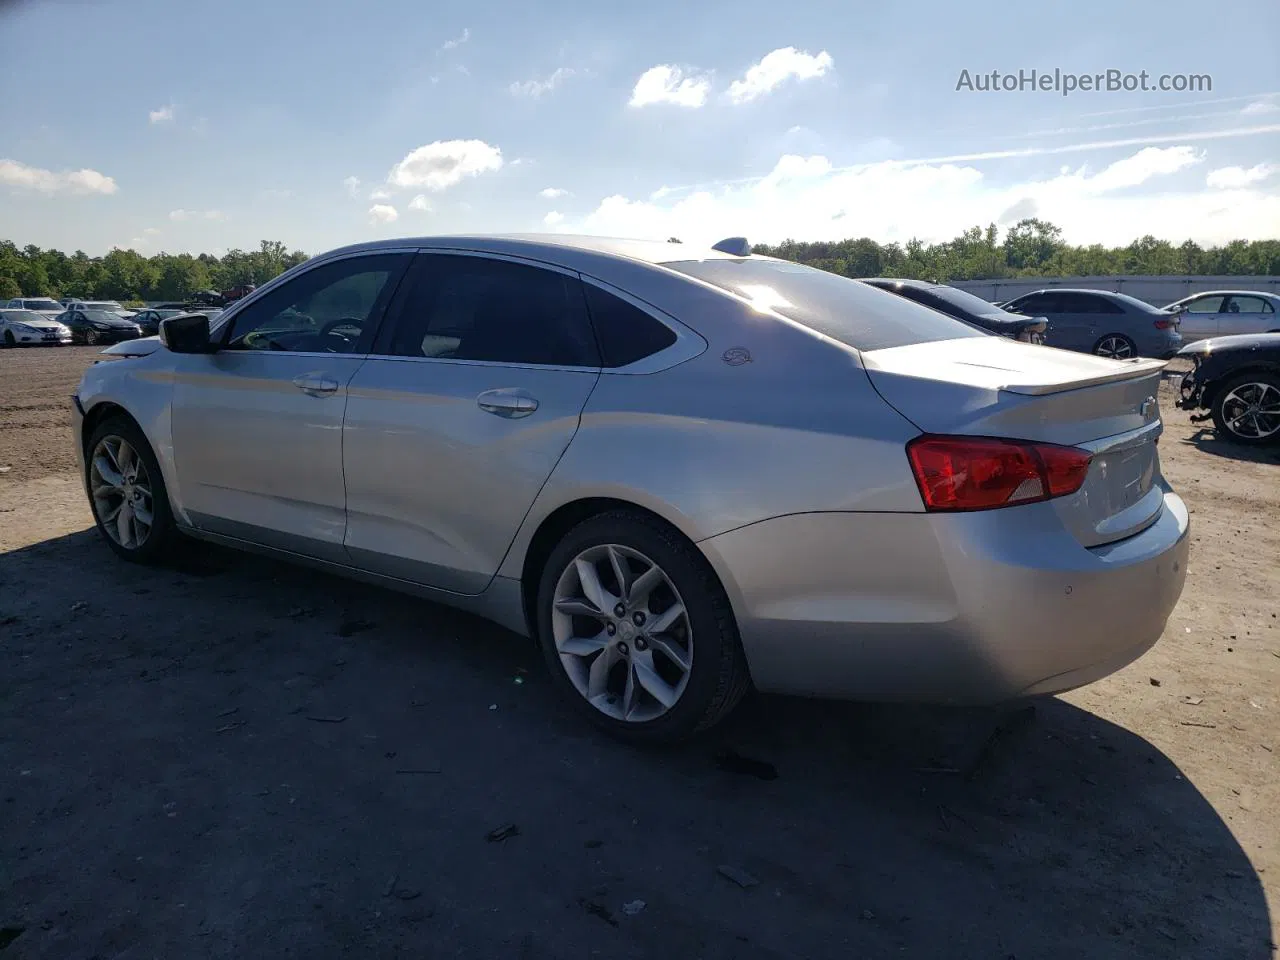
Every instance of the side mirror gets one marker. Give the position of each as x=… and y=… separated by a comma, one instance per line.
x=187, y=334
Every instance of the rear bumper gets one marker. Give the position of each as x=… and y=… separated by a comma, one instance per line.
x=933, y=608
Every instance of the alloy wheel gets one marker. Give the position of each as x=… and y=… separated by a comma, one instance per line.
x=622, y=633
x=1252, y=410
x=1115, y=347
x=121, y=490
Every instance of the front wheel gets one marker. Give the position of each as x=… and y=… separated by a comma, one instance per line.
x=9, y=339
x=127, y=493
x=1116, y=346
x=637, y=630
x=1247, y=409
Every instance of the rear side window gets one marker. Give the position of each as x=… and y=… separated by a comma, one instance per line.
x=625, y=333
x=854, y=313
x=493, y=311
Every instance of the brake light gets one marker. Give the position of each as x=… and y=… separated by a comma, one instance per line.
x=982, y=473
x=1165, y=324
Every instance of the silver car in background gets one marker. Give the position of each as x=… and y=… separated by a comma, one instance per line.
x=1226, y=313
x=682, y=471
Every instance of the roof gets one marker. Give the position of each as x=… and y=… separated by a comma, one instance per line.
x=1230, y=293
x=922, y=284
x=553, y=248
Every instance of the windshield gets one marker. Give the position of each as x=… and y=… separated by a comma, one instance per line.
x=853, y=313
x=1135, y=302
x=969, y=302
x=22, y=316
x=42, y=305
x=110, y=305
x=101, y=315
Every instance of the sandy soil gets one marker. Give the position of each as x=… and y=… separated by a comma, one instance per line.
x=235, y=758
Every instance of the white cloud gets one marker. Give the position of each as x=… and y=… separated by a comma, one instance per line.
x=1234, y=178
x=420, y=203
x=445, y=163
x=458, y=40
x=79, y=182
x=378, y=193
x=353, y=186
x=776, y=68
x=552, y=193
x=667, y=83
x=383, y=213
x=1259, y=107
x=806, y=197
x=182, y=216
x=553, y=218
x=161, y=114
x=151, y=231
x=536, y=88
x=1142, y=166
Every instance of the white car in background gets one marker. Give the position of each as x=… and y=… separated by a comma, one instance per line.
x=28, y=328
x=46, y=306
x=1227, y=313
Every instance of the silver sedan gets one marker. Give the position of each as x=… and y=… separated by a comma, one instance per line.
x=683, y=471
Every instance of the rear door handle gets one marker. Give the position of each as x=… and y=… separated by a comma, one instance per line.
x=315, y=384
x=512, y=404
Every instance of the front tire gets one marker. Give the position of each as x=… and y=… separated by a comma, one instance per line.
x=127, y=494
x=1246, y=409
x=1116, y=346
x=92, y=338
x=637, y=630
x=9, y=339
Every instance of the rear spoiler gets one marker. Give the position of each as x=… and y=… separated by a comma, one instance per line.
x=1134, y=370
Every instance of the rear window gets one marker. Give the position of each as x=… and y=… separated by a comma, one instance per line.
x=854, y=313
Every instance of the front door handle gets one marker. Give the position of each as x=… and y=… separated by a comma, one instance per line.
x=315, y=384
x=512, y=404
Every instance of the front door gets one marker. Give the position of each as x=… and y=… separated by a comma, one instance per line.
x=1200, y=317
x=470, y=397
x=257, y=426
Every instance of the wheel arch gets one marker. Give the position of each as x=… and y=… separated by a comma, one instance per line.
x=1214, y=387
x=553, y=527
x=99, y=412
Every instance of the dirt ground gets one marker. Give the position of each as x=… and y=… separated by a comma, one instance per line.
x=236, y=758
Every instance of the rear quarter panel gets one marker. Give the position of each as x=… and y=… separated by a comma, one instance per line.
x=711, y=446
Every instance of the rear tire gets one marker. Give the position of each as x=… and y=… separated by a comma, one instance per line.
x=1258, y=391
x=609, y=665
x=127, y=493
x=1116, y=346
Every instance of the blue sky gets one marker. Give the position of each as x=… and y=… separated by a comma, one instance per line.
x=206, y=127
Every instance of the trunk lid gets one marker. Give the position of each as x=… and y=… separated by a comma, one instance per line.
x=995, y=387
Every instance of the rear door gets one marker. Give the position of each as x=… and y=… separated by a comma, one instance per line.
x=1247, y=314
x=1201, y=317
x=472, y=394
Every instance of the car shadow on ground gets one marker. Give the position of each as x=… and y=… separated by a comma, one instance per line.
x=1207, y=440
x=235, y=757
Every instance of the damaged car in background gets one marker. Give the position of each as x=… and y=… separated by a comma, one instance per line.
x=1237, y=380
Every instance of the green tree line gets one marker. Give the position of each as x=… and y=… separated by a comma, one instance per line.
x=1031, y=247
x=127, y=275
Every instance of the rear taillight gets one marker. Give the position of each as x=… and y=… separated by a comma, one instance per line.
x=982, y=473
x=1166, y=323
